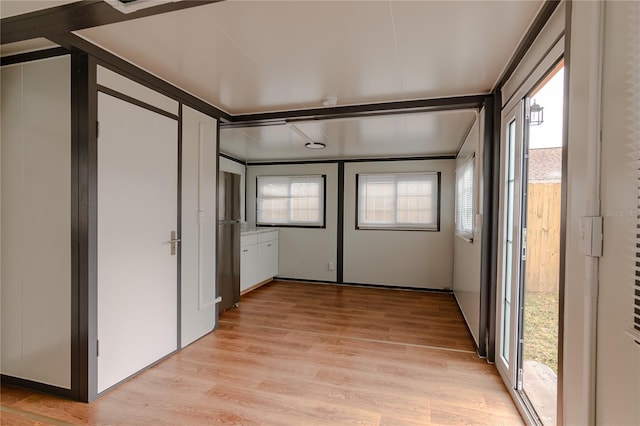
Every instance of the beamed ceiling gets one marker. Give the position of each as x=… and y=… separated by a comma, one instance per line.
x=247, y=57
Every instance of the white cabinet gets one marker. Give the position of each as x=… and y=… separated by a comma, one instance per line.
x=258, y=258
x=268, y=258
x=248, y=266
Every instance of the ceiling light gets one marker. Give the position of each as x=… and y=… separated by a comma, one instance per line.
x=311, y=144
x=329, y=101
x=315, y=145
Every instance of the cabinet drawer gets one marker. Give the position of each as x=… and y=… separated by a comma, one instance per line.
x=246, y=240
x=267, y=236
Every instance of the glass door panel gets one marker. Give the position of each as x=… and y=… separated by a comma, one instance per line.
x=510, y=246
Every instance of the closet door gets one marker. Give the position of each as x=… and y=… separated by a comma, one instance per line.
x=137, y=262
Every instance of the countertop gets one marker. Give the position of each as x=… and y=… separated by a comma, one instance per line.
x=253, y=231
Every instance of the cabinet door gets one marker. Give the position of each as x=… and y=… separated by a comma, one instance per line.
x=248, y=266
x=267, y=260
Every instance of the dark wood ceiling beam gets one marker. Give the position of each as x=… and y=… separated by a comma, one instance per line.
x=358, y=111
x=73, y=42
x=77, y=16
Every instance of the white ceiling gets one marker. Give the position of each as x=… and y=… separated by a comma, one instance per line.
x=261, y=56
x=400, y=135
x=26, y=46
x=289, y=54
x=18, y=7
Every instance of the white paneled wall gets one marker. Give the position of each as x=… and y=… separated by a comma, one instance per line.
x=618, y=356
x=199, y=225
x=305, y=253
x=467, y=255
x=421, y=259
x=36, y=221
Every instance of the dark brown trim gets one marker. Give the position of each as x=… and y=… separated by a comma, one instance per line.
x=340, y=223
x=535, y=28
x=217, y=238
x=179, y=232
x=84, y=151
x=78, y=101
x=127, y=69
x=137, y=102
x=77, y=16
x=228, y=157
x=534, y=68
x=495, y=224
x=486, y=261
x=379, y=286
x=423, y=158
x=356, y=111
x=403, y=288
x=36, y=386
x=33, y=56
x=350, y=160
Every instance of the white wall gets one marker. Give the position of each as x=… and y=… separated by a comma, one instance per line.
x=36, y=221
x=467, y=255
x=304, y=252
x=618, y=357
x=199, y=225
x=583, y=102
x=227, y=165
x=421, y=259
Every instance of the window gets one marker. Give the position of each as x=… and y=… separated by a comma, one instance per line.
x=464, y=199
x=398, y=201
x=290, y=201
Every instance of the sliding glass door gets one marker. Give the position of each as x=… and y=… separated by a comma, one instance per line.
x=528, y=286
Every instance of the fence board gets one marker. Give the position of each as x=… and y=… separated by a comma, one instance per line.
x=543, y=237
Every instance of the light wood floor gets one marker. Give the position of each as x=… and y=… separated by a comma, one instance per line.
x=305, y=354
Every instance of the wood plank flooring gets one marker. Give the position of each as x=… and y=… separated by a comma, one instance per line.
x=305, y=354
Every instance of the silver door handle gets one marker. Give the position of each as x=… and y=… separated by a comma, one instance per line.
x=174, y=239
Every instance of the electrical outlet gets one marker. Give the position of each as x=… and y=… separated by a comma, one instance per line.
x=331, y=266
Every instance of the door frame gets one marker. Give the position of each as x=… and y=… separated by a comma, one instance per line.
x=508, y=367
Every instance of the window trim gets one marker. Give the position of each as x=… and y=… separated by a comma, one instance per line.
x=466, y=236
x=296, y=225
x=395, y=227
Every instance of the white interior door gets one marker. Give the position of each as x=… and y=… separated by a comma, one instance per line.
x=137, y=210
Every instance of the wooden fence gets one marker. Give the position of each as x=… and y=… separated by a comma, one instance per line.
x=543, y=237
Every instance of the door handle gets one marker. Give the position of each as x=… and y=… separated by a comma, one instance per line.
x=174, y=240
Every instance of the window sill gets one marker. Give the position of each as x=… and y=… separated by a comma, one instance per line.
x=465, y=238
x=383, y=228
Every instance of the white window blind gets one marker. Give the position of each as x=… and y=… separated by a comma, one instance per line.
x=290, y=200
x=398, y=201
x=465, y=199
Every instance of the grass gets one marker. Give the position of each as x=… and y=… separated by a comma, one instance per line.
x=541, y=329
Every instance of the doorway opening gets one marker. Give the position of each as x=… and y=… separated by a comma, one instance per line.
x=541, y=242
x=528, y=315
